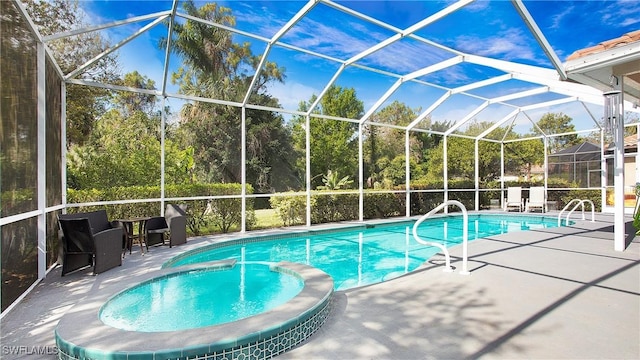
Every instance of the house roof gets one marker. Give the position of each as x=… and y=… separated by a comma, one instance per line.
x=580, y=152
x=630, y=142
x=609, y=63
x=585, y=147
x=606, y=45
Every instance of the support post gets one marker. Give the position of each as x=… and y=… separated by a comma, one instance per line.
x=618, y=226
x=243, y=169
x=477, y=174
x=407, y=169
x=42, y=158
x=307, y=131
x=502, y=204
x=360, y=173
x=445, y=173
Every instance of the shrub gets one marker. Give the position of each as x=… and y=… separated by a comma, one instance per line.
x=383, y=205
x=334, y=207
x=224, y=213
x=291, y=208
x=593, y=195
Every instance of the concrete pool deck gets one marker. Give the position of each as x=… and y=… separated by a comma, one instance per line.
x=542, y=294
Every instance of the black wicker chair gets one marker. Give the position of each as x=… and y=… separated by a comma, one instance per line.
x=155, y=229
x=173, y=223
x=82, y=247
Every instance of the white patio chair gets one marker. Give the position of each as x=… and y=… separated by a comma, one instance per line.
x=514, y=198
x=537, y=199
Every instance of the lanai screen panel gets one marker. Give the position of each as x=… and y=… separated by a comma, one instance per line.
x=18, y=146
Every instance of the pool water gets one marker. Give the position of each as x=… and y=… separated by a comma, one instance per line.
x=363, y=256
x=199, y=298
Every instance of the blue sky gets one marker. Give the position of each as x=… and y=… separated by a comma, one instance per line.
x=492, y=29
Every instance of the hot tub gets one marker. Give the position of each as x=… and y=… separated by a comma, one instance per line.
x=81, y=334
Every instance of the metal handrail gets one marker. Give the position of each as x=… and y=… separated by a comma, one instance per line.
x=579, y=203
x=565, y=208
x=465, y=235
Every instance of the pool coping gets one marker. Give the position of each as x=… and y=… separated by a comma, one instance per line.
x=81, y=334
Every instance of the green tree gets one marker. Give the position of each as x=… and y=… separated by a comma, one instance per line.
x=383, y=145
x=521, y=155
x=124, y=148
x=84, y=104
x=215, y=67
x=432, y=139
x=124, y=153
x=334, y=143
x=132, y=102
x=557, y=123
x=460, y=159
x=394, y=171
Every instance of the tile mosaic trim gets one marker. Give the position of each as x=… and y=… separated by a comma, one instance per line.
x=261, y=349
x=262, y=336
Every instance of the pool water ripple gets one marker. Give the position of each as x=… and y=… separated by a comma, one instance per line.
x=200, y=298
x=367, y=254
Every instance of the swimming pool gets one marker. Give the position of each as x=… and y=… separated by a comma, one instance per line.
x=354, y=255
x=366, y=254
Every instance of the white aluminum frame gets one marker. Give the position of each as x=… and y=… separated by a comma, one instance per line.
x=549, y=80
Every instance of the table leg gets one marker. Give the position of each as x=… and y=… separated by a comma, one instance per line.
x=129, y=230
x=141, y=236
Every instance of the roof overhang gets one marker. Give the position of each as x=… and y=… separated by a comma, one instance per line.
x=598, y=68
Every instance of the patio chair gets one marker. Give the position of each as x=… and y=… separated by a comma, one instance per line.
x=514, y=198
x=82, y=247
x=173, y=223
x=537, y=199
x=99, y=222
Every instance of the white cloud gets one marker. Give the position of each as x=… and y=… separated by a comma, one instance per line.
x=407, y=56
x=557, y=19
x=452, y=76
x=621, y=13
x=509, y=44
x=630, y=21
x=453, y=113
x=334, y=41
x=344, y=40
x=261, y=18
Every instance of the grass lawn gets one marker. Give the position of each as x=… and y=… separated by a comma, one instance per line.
x=267, y=218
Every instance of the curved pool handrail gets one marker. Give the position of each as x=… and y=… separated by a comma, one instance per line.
x=465, y=235
x=593, y=215
x=565, y=208
x=579, y=203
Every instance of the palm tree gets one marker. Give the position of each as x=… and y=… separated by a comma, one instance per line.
x=333, y=182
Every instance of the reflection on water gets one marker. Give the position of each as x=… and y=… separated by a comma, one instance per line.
x=374, y=254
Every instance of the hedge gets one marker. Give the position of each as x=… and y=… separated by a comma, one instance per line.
x=224, y=214
x=333, y=207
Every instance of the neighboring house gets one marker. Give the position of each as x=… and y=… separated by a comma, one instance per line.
x=579, y=164
x=615, y=62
